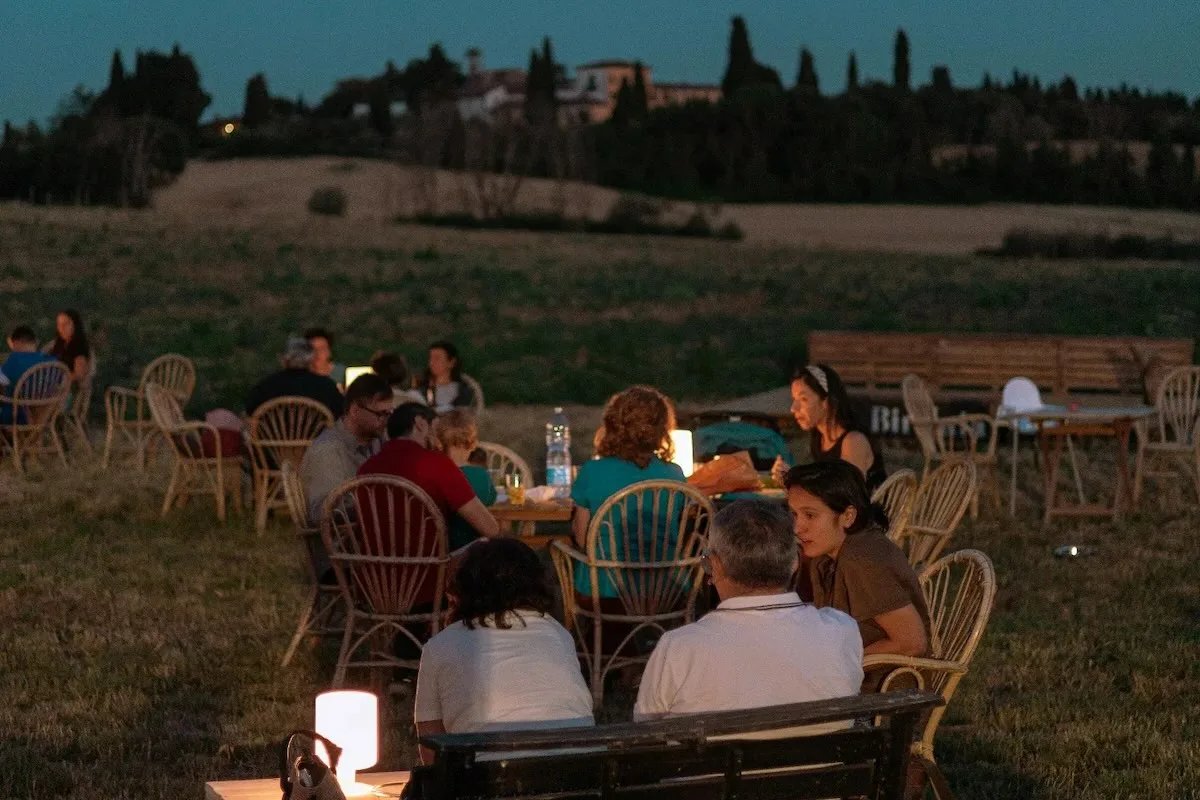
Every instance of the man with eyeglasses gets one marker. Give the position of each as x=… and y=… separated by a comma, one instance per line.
x=408, y=454
x=761, y=646
x=336, y=454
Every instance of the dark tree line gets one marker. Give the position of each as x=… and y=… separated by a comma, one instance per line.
x=877, y=142
x=115, y=147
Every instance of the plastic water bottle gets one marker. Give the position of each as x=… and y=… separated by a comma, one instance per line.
x=558, y=454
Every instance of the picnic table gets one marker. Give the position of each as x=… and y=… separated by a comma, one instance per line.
x=1056, y=424
x=525, y=518
x=268, y=788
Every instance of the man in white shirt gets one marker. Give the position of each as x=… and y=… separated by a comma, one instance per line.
x=761, y=646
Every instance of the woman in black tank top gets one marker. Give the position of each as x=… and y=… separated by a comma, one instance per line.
x=822, y=407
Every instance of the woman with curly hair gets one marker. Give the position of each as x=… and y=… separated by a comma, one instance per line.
x=632, y=445
x=505, y=663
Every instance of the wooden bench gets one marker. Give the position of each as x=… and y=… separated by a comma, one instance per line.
x=967, y=371
x=682, y=757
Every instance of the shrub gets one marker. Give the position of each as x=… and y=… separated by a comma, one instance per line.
x=696, y=225
x=328, y=200
x=633, y=213
x=731, y=231
x=1024, y=243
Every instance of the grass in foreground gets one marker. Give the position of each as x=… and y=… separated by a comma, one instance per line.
x=139, y=657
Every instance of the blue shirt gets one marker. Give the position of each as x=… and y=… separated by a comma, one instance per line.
x=599, y=480
x=16, y=365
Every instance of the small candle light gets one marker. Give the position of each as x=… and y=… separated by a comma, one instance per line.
x=350, y=720
x=684, y=453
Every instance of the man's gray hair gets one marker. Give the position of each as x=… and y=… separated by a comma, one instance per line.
x=298, y=354
x=755, y=542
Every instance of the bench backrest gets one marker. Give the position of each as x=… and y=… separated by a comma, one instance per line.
x=870, y=362
x=681, y=758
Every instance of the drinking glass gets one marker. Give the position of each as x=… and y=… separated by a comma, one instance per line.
x=515, y=487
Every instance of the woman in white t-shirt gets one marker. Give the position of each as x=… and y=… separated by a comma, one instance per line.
x=505, y=663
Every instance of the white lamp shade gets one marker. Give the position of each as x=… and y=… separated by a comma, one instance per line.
x=351, y=374
x=350, y=720
x=684, y=453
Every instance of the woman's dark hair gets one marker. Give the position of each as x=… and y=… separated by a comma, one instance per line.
x=80, y=338
x=452, y=353
x=498, y=576
x=833, y=392
x=839, y=485
x=392, y=367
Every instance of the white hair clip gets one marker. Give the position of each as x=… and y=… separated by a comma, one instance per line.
x=819, y=374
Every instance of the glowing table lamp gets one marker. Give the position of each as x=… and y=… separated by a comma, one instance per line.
x=351, y=374
x=350, y=720
x=684, y=454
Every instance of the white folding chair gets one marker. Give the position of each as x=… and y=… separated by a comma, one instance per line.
x=1021, y=395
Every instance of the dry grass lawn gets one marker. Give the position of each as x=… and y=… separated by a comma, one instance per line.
x=139, y=656
x=277, y=190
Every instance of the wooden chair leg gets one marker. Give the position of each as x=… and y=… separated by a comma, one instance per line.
x=339, y=673
x=219, y=491
x=260, y=501
x=172, y=488
x=302, y=628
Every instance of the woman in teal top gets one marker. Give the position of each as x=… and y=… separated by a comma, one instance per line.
x=633, y=445
x=457, y=436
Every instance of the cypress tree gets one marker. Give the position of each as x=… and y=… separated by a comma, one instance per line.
x=806, y=79
x=623, y=110
x=901, y=68
x=257, y=108
x=852, y=72
x=115, y=94
x=741, y=66
x=639, y=100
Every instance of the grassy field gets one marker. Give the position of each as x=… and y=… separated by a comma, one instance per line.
x=540, y=318
x=140, y=656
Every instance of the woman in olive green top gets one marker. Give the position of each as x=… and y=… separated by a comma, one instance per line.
x=457, y=436
x=853, y=566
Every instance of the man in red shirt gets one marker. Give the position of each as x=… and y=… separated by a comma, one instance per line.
x=407, y=455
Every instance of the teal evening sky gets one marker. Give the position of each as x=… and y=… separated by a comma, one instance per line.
x=303, y=46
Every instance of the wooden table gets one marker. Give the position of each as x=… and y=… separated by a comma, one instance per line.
x=1056, y=424
x=525, y=518
x=268, y=788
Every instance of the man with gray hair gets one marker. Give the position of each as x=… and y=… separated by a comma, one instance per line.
x=761, y=646
x=296, y=380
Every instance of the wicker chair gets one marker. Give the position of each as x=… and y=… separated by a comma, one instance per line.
x=658, y=529
x=281, y=431
x=939, y=505
x=200, y=468
x=959, y=590
x=896, y=495
x=477, y=392
x=1169, y=446
x=502, y=462
x=323, y=613
x=35, y=403
x=387, y=543
x=943, y=438
x=73, y=421
x=129, y=424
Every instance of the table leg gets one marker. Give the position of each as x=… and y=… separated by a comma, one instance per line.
x=1012, y=489
x=1051, y=455
x=1122, y=492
